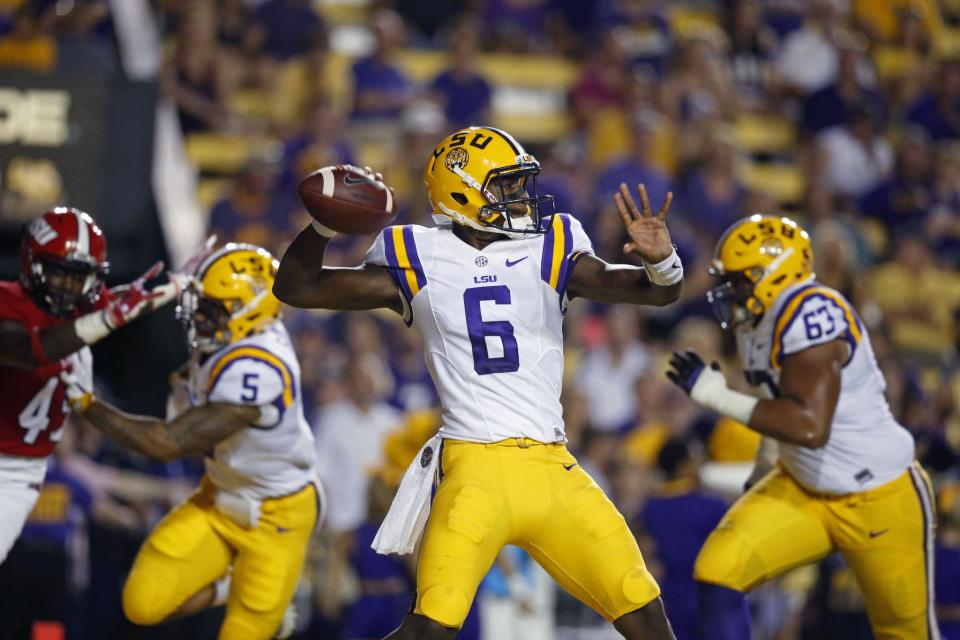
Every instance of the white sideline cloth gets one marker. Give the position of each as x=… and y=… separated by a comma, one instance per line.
x=410, y=507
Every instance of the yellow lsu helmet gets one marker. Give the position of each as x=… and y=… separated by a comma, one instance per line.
x=757, y=258
x=229, y=296
x=482, y=178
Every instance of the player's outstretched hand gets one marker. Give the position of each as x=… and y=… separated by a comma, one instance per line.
x=130, y=301
x=649, y=237
x=686, y=367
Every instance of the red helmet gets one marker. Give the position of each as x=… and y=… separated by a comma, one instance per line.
x=63, y=256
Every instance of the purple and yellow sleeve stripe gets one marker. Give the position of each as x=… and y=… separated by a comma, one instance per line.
x=259, y=355
x=789, y=313
x=557, y=244
x=403, y=260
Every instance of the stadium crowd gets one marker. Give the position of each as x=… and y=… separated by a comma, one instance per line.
x=843, y=114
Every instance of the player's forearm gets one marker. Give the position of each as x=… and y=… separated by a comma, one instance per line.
x=25, y=350
x=143, y=434
x=596, y=280
x=301, y=267
x=788, y=420
x=630, y=285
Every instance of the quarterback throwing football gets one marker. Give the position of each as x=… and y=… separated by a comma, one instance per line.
x=487, y=292
x=845, y=480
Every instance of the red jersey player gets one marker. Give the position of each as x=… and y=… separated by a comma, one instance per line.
x=48, y=319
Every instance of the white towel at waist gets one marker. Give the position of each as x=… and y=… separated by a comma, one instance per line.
x=408, y=513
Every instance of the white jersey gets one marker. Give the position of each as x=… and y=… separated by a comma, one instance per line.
x=491, y=323
x=275, y=456
x=867, y=446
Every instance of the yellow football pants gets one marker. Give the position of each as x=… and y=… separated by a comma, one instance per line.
x=538, y=498
x=884, y=534
x=195, y=544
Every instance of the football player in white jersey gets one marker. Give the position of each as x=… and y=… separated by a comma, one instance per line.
x=844, y=477
x=240, y=406
x=486, y=290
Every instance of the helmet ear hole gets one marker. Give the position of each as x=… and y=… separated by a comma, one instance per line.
x=459, y=198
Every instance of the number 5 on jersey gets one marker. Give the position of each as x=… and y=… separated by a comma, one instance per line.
x=479, y=330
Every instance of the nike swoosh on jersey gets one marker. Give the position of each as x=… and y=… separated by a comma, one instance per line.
x=569, y=466
x=876, y=534
x=510, y=262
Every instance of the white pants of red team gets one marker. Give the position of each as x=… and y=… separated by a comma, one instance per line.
x=20, y=480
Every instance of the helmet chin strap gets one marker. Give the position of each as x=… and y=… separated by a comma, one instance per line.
x=461, y=219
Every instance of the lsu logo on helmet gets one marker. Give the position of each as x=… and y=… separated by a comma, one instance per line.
x=758, y=258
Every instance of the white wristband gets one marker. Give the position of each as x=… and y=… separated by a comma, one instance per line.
x=666, y=272
x=322, y=229
x=711, y=391
x=92, y=327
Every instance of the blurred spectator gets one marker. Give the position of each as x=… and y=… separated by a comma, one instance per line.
x=284, y=28
x=902, y=201
x=422, y=124
x=350, y=435
x=856, y=157
x=678, y=517
x=917, y=298
x=699, y=89
x=384, y=581
x=514, y=25
x=883, y=21
x=661, y=416
x=603, y=80
x=808, y=59
x=609, y=371
x=193, y=75
x=318, y=142
x=938, y=109
x=255, y=211
x=380, y=88
x=79, y=47
x=463, y=93
x=943, y=221
x=829, y=106
x=752, y=45
x=29, y=44
x=710, y=194
x=642, y=28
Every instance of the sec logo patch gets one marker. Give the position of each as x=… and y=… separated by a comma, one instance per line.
x=426, y=457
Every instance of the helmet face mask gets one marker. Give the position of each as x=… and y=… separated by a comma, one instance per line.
x=731, y=299
x=519, y=209
x=205, y=320
x=482, y=178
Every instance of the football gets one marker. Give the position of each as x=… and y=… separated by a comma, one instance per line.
x=347, y=199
